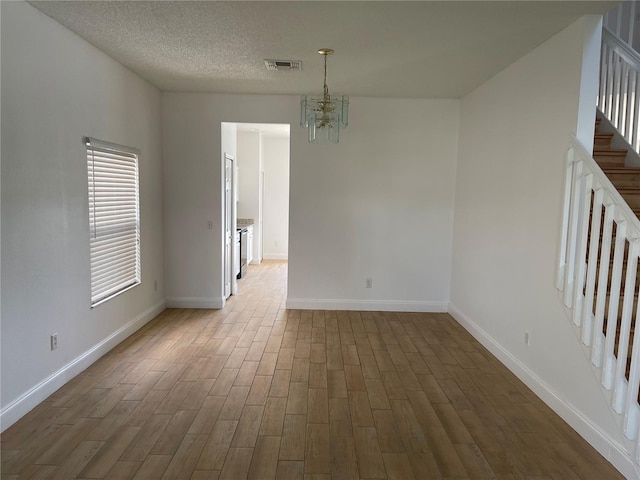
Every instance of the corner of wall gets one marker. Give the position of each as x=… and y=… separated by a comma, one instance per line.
x=589, y=80
x=607, y=446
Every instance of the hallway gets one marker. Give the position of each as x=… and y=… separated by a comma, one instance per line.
x=255, y=391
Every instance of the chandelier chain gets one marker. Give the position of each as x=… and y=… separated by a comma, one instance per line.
x=326, y=88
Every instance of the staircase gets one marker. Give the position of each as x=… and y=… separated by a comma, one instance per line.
x=599, y=274
x=627, y=182
x=599, y=261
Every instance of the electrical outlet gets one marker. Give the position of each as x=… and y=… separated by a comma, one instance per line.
x=54, y=341
x=527, y=338
x=369, y=282
x=210, y=225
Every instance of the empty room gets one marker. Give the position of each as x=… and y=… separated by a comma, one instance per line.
x=319, y=240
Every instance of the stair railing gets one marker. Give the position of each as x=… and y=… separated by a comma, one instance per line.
x=622, y=21
x=601, y=291
x=619, y=96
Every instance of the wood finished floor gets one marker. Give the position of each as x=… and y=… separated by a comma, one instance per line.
x=255, y=391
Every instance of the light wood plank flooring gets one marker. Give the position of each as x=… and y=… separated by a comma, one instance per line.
x=255, y=391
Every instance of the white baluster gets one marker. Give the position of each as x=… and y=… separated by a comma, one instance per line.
x=566, y=209
x=574, y=228
x=583, y=232
x=602, y=102
x=614, y=298
x=629, y=106
x=620, y=382
x=594, y=248
x=619, y=20
x=622, y=99
x=603, y=278
x=610, y=72
x=632, y=23
x=631, y=418
x=617, y=74
x=635, y=138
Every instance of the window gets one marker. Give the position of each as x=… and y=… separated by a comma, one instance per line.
x=114, y=219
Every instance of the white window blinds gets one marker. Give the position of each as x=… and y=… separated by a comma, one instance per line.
x=114, y=219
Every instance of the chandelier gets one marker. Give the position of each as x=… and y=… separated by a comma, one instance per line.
x=323, y=115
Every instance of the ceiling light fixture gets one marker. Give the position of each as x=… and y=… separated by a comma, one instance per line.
x=323, y=115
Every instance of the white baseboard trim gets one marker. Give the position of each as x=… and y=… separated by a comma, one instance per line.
x=365, y=305
x=275, y=256
x=26, y=402
x=601, y=441
x=195, y=302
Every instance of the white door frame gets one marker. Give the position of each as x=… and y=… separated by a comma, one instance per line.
x=230, y=286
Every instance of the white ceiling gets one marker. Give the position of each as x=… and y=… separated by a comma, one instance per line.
x=389, y=49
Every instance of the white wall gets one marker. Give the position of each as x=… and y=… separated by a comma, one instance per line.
x=378, y=205
x=192, y=151
x=258, y=154
x=56, y=89
x=275, y=153
x=249, y=168
x=514, y=135
x=356, y=208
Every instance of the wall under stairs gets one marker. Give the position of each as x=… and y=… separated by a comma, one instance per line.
x=507, y=226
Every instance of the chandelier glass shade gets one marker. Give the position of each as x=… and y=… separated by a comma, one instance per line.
x=322, y=114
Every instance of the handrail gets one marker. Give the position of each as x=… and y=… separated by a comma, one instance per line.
x=612, y=191
x=621, y=47
x=622, y=21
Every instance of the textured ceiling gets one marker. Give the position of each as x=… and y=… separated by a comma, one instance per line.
x=391, y=49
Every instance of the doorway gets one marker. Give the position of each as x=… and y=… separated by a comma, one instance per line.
x=259, y=180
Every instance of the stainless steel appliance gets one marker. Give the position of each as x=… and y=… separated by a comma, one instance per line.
x=236, y=259
x=243, y=252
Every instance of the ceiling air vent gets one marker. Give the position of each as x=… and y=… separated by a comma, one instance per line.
x=283, y=65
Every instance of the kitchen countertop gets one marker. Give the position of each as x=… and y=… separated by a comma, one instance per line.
x=243, y=224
